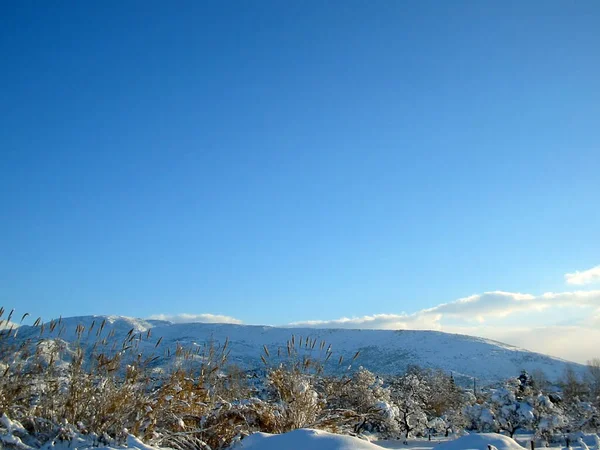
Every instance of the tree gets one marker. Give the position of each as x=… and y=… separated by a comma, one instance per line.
x=480, y=417
x=443, y=403
x=582, y=416
x=593, y=377
x=540, y=380
x=452, y=420
x=410, y=393
x=548, y=417
x=573, y=388
x=443, y=395
x=512, y=405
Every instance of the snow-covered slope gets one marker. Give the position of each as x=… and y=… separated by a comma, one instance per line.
x=304, y=439
x=481, y=441
x=381, y=351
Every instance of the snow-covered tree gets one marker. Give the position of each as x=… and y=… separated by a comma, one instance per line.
x=410, y=393
x=549, y=418
x=454, y=420
x=480, y=417
x=436, y=425
x=513, y=405
x=445, y=402
x=583, y=416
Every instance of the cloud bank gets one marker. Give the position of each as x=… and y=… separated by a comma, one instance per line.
x=586, y=277
x=473, y=309
x=573, y=343
x=513, y=318
x=563, y=324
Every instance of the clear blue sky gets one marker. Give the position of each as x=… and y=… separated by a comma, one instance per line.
x=283, y=161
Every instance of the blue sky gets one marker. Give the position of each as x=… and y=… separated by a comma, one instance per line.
x=284, y=162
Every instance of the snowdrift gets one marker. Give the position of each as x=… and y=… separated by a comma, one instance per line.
x=481, y=442
x=304, y=439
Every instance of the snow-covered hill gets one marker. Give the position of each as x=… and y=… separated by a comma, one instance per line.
x=381, y=351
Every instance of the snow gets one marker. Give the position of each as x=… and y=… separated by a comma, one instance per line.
x=303, y=439
x=13, y=432
x=481, y=442
x=11, y=426
x=381, y=351
x=582, y=444
x=81, y=442
x=10, y=437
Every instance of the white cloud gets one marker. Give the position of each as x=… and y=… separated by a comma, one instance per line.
x=563, y=324
x=378, y=322
x=585, y=277
x=488, y=304
x=573, y=343
x=192, y=318
x=476, y=308
x=503, y=304
x=576, y=341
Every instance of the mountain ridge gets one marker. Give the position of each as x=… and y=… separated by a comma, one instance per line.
x=381, y=351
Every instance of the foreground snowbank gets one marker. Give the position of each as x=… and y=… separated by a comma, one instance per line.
x=303, y=439
x=81, y=443
x=14, y=436
x=481, y=442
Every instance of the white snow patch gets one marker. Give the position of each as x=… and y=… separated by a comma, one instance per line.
x=303, y=439
x=481, y=442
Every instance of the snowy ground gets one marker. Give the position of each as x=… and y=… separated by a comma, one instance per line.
x=439, y=444
x=320, y=440
x=303, y=439
x=307, y=439
x=14, y=436
x=413, y=444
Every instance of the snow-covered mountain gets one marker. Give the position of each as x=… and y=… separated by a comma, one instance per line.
x=381, y=351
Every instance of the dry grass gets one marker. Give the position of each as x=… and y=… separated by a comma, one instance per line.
x=111, y=388
x=108, y=386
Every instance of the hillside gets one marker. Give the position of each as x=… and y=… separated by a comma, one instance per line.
x=381, y=351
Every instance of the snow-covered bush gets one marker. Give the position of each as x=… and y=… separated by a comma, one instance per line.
x=293, y=392
x=360, y=403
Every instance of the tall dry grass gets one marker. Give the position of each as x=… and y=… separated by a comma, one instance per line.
x=100, y=386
